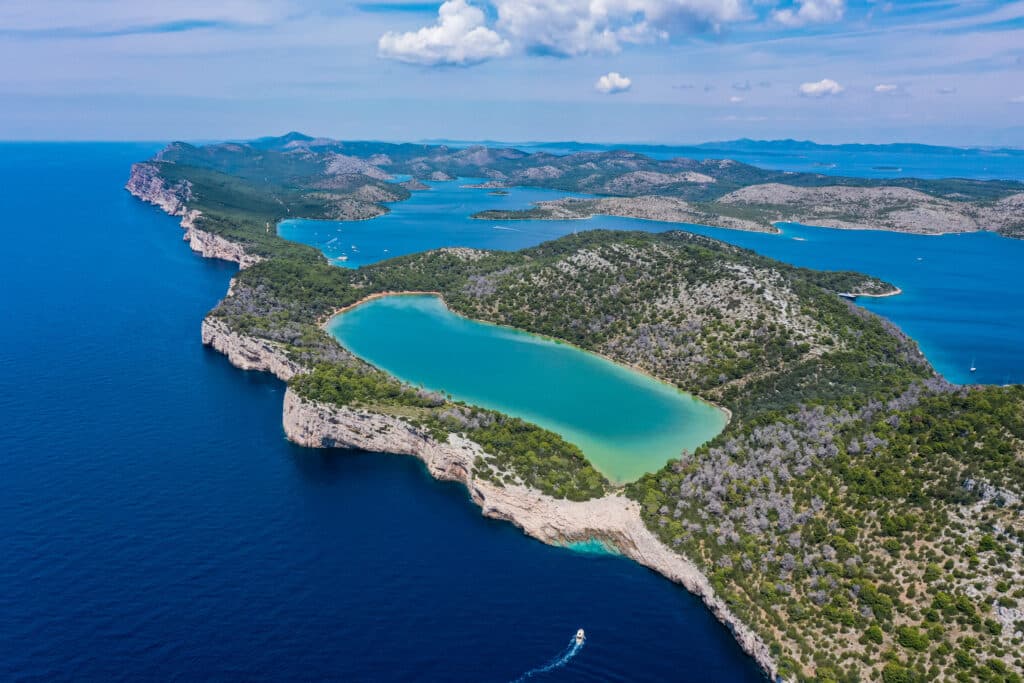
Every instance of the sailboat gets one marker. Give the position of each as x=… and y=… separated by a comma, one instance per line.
x=974, y=368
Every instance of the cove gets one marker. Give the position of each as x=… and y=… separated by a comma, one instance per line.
x=625, y=422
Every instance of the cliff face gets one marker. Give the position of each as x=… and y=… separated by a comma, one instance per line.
x=210, y=245
x=146, y=183
x=614, y=519
x=249, y=353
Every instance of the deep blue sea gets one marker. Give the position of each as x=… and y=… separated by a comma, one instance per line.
x=155, y=524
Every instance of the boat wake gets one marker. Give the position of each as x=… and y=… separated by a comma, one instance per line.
x=557, y=662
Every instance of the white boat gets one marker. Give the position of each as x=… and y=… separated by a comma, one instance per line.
x=974, y=368
x=580, y=637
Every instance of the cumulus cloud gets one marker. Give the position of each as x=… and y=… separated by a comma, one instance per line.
x=574, y=27
x=822, y=88
x=811, y=12
x=560, y=27
x=735, y=99
x=460, y=36
x=612, y=82
x=885, y=88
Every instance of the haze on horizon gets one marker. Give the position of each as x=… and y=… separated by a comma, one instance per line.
x=641, y=71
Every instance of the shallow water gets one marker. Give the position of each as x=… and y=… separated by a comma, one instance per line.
x=625, y=422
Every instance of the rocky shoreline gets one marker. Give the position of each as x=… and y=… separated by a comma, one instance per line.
x=644, y=207
x=759, y=208
x=890, y=209
x=613, y=519
x=146, y=184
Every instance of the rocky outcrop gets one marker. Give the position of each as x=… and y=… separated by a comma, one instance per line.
x=641, y=182
x=248, y=353
x=898, y=209
x=614, y=520
x=148, y=184
x=209, y=245
x=647, y=207
x=319, y=425
x=414, y=185
x=340, y=164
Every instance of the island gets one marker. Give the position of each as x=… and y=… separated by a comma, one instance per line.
x=858, y=518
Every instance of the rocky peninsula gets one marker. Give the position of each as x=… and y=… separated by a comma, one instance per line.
x=647, y=207
x=838, y=526
x=613, y=519
x=758, y=208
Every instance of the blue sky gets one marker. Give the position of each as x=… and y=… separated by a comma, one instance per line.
x=600, y=70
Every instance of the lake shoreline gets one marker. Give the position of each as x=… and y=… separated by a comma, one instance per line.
x=262, y=355
x=669, y=418
x=628, y=366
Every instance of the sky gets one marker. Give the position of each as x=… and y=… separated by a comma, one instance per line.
x=654, y=71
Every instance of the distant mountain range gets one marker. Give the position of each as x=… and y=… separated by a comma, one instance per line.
x=741, y=145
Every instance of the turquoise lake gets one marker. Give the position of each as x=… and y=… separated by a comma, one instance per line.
x=625, y=422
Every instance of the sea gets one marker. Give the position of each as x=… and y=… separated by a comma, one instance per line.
x=156, y=525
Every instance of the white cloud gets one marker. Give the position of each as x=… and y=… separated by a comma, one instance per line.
x=561, y=27
x=612, y=82
x=460, y=36
x=735, y=99
x=1019, y=99
x=811, y=12
x=825, y=86
x=575, y=27
x=885, y=88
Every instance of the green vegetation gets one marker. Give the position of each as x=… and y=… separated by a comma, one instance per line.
x=859, y=513
x=516, y=451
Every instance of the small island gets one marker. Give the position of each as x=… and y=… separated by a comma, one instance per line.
x=858, y=517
